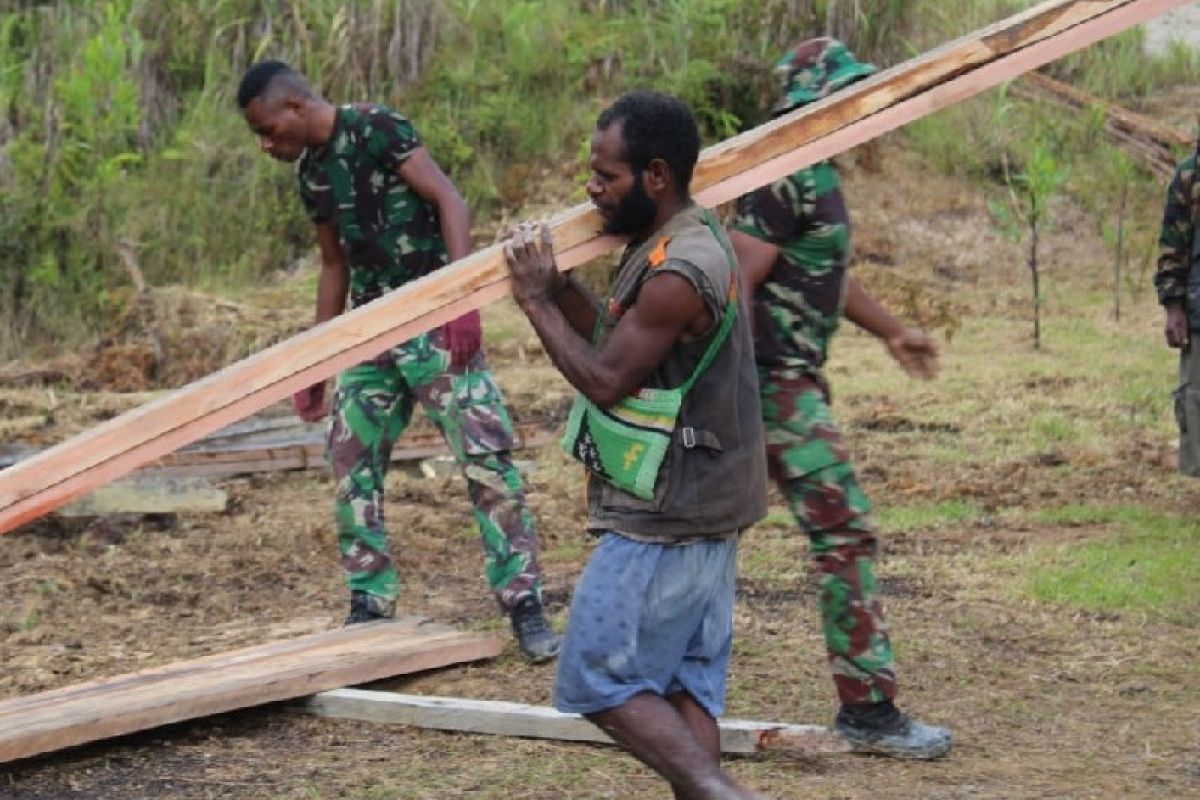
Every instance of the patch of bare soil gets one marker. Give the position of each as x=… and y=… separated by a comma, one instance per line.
x=1045, y=702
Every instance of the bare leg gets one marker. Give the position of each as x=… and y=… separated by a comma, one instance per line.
x=659, y=736
x=703, y=727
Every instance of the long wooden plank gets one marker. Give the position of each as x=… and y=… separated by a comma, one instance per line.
x=501, y=718
x=274, y=451
x=888, y=100
x=307, y=451
x=215, y=684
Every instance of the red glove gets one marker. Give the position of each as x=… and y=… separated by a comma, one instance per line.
x=310, y=403
x=463, y=337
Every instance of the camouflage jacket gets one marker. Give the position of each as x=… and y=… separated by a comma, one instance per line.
x=798, y=307
x=1176, y=279
x=389, y=234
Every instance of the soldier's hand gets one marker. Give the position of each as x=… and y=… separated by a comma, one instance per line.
x=1177, y=326
x=530, y=256
x=310, y=402
x=464, y=337
x=915, y=351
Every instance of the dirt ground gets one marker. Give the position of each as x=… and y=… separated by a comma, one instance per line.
x=1045, y=701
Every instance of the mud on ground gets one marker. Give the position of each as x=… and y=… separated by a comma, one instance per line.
x=1045, y=702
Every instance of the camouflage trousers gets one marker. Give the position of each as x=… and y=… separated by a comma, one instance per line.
x=808, y=458
x=1187, y=408
x=371, y=407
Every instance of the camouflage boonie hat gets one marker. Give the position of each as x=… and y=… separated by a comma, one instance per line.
x=814, y=69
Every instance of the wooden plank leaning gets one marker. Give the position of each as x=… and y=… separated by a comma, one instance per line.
x=895, y=97
x=1157, y=146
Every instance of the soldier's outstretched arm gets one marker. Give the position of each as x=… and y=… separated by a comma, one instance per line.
x=913, y=349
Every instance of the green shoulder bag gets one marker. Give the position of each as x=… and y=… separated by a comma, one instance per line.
x=626, y=443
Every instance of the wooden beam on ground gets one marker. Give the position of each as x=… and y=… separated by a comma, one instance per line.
x=539, y=722
x=1156, y=145
x=281, y=670
x=150, y=494
x=306, y=450
x=857, y=114
x=296, y=446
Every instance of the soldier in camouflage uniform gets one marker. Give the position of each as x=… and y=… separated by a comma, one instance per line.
x=1178, y=283
x=793, y=242
x=385, y=215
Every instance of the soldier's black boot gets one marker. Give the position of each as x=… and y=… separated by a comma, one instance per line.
x=535, y=637
x=366, y=607
x=885, y=730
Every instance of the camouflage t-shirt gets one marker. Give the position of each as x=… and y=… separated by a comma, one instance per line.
x=1176, y=244
x=389, y=234
x=797, y=309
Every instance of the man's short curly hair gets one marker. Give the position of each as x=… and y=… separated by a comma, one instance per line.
x=656, y=125
x=269, y=76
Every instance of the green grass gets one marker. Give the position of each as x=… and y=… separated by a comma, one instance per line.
x=926, y=515
x=1152, y=565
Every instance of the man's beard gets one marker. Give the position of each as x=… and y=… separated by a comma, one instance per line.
x=634, y=213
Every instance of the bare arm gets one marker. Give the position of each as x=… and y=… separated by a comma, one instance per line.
x=912, y=348
x=578, y=305
x=335, y=275
x=425, y=177
x=332, y=284
x=866, y=313
x=756, y=258
x=667, y=306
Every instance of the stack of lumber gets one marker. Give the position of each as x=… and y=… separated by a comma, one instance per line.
x=274, y=444
x=178, y=482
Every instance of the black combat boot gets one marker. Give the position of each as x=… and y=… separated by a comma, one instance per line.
x=885, y=730
x=366, y=607
x=535, y=637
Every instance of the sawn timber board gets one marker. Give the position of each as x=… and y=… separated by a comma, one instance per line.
x=214, y=684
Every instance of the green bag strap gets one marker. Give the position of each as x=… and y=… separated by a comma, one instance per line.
x=727, y=319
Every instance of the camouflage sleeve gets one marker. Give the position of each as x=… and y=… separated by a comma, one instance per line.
x=390, y=137
x=315, y=193
x=1175, y=241
x=773, y=212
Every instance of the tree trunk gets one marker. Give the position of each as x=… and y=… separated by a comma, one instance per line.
x=1120, y=259
x=1037, y=292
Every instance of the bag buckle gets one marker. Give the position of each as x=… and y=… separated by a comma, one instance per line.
x=689, y=437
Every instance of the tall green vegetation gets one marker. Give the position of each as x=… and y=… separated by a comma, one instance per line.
x=1032, y=190
x=121, y=149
